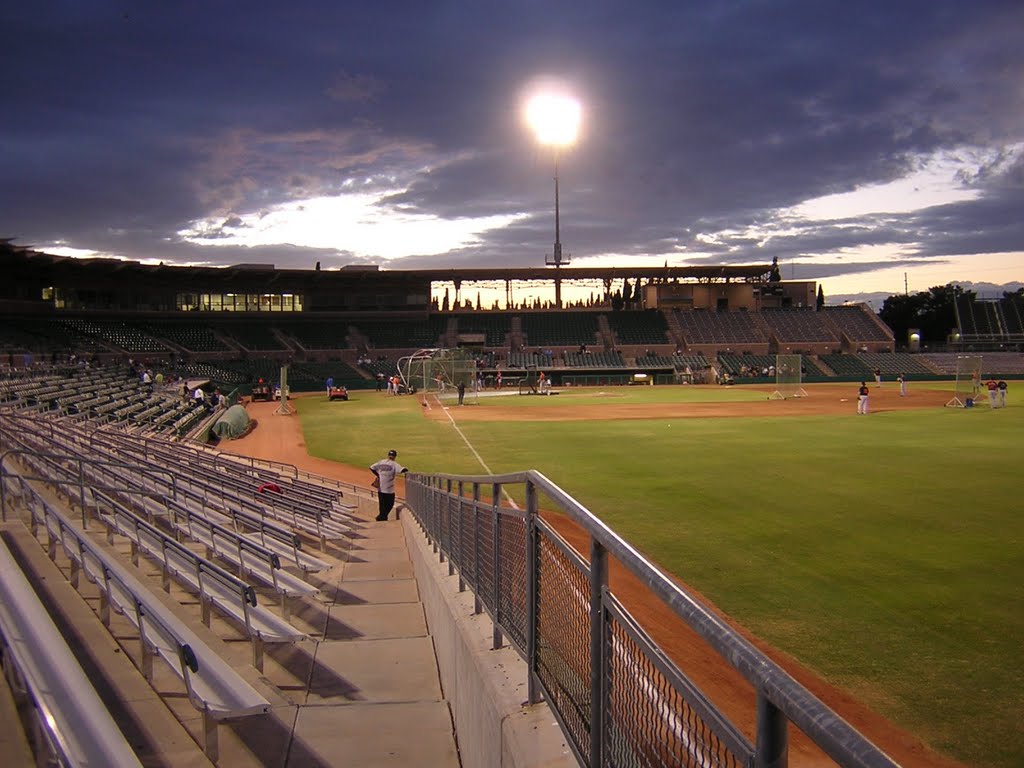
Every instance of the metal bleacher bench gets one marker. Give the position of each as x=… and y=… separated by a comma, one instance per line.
x=216, y=587
x=214, y=688
x=243, y=531
x=284, y=542
x=76, y=726
x=246, y=555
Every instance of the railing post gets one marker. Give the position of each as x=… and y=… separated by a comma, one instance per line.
x=496, y=566
x=531, y=592
x=772, y=748
x=456, y=542
x=477, y=606
x=598, y=681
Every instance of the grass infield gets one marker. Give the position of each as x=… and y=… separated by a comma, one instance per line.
x=883, y=552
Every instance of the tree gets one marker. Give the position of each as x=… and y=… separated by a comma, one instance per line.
x=821, y=298
x=934, y=312
x=901, y=313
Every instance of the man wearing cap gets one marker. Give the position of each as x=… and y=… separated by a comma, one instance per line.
x=386, y=470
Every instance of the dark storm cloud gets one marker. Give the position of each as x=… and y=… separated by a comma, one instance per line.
x=135, y=119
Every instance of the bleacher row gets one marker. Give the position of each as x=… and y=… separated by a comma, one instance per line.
x=228, y=530
x=105, y=395
x=994, y=320
x=42, y=335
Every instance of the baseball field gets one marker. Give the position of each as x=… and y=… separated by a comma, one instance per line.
x=884, y=553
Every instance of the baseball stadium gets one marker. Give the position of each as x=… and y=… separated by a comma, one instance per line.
x=654, y=522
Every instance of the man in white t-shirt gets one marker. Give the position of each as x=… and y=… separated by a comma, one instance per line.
x=386, y=470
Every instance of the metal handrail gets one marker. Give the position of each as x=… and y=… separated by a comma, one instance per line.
x=780, y=698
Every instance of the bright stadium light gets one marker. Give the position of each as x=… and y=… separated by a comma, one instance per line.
x=555, y=120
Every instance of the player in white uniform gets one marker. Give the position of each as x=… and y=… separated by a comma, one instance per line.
x=386, y=471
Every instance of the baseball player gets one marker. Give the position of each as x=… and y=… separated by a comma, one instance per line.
x=385, y=472
x=862, y=398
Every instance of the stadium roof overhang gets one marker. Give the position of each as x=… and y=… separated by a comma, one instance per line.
x=67, y=269
x=746, y=273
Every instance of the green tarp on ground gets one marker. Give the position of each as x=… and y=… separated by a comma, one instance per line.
x=234, y=423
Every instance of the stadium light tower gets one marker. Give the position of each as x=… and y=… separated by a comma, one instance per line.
x=555, y=120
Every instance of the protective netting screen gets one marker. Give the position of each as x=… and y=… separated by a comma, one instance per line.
x=968, y=381
x=789, y=376
x=438, y=370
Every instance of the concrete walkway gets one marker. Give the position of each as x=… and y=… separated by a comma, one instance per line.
x=366, y=692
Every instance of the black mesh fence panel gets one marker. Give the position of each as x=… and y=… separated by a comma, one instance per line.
x=652, y=721
x=512, y=593
x=563, y=639
x=485, y=550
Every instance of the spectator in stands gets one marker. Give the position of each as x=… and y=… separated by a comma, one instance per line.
x=385, y=472
x=198, y=396
x=903, y=384
x=862, y=398
x=993, y=392
x=183, y=391
x=1002, y=393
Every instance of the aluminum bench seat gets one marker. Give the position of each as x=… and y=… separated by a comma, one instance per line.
x=76, y=726
x=213, y=686
x=216, y=587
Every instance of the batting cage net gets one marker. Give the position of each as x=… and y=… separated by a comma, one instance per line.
x=968, y=381
x=439, y=371
x=788, y=377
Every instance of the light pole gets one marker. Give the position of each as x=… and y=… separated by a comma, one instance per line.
x=555, y=120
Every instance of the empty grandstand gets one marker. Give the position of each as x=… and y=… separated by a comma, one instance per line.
x=239, y=325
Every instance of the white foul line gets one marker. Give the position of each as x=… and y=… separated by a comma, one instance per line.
x=472, y=450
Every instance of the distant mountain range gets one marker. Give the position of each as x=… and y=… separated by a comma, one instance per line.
x=875, y=300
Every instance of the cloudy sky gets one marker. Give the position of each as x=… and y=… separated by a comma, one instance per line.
x=857, y=142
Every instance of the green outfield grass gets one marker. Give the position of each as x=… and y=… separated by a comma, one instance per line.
x=883, y=552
